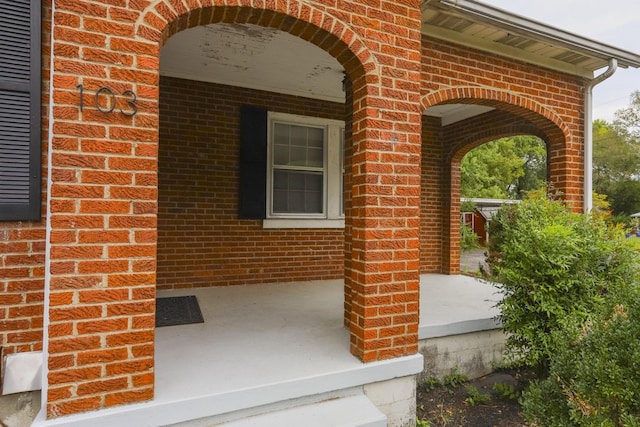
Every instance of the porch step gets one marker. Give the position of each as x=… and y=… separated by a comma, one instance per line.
x=350, y=411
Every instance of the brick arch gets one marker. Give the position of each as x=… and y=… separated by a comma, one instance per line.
x=513, y=115
x=546, y=119
x=503, y=130
x=165, y=18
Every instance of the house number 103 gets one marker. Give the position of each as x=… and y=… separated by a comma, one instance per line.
x=111, y=100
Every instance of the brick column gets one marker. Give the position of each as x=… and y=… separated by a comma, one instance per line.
x=102, y=211
x=434, y=167
x=385, y=221
x=451, y=218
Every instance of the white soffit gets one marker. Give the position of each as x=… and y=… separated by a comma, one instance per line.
x=451, y=113
x=253, y=57
x=475, y=24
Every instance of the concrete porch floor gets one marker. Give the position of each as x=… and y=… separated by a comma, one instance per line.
x=263, y=344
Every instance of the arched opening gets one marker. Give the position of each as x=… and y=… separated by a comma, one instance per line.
x=254, y=177
x=453, y=125
x=492, y=175
x=199, y=125
x=453, y=128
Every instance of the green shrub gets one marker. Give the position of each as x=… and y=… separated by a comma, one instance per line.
x=506, y=391
x=474, y=397
x=454, y=378
x=468, y=238
x=552, y=265
x=594, y=372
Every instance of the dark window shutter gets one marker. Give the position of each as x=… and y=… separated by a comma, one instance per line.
x=253, y=162
x=20, y=116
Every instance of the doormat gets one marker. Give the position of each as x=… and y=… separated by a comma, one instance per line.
x=178, y=311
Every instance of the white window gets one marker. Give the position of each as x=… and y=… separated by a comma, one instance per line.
x=304, y=172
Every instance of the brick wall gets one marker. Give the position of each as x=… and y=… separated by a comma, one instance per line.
x=528, y=100
x=104, y=181
x=201, y=242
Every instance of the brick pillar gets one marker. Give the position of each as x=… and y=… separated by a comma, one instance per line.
x=385, y=233
x=566, y=170
x=432, y=195
x=102, y=211
x=348, y=211
x=451, y=218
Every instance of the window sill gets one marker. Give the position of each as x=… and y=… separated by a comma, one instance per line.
x=302, y=223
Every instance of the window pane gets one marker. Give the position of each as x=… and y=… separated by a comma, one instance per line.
x=281, y=144
x=297, y=192
x=296, y=145
x=298, y=135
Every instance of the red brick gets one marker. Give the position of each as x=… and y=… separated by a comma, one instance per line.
x=67, y=345
x=129, y=397
x=74, y=375
x=102, y=356
x=130, y=338
x=75, y=313
x=68, y=407
x=99, y=326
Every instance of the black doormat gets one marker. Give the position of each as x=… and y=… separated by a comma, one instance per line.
x=178, y=311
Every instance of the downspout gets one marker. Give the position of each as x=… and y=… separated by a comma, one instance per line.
x=588, y=132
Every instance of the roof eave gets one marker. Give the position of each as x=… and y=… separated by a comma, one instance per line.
x=541, y=31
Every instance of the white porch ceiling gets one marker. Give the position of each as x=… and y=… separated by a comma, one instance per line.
x=253, y=57
x=268, y=59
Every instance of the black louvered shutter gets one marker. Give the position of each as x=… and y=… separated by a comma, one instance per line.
x=253, y=162
x=20, y=110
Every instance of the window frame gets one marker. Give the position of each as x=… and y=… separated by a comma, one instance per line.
x=333, y=144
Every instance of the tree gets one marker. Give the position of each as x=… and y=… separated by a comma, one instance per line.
x=533, y=151
x=627, y=120
x=504, y=168
x=616, y=166
x=615, y=159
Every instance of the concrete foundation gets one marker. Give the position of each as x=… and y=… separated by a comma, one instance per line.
x=396, y=399
x=473, y=354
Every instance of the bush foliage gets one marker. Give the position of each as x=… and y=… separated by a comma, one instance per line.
x=594, y=376
x=468, y=238
x=571, y=308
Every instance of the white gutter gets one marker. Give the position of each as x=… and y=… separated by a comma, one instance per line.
x=588, y=132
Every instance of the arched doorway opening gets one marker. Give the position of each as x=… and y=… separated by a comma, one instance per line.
x=255, y=153
x=453, y=128
x=492, y=175
x=251, y=204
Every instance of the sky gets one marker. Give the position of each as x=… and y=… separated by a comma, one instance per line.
x=612, y=22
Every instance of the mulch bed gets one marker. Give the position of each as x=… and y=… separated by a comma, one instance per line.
x=454, y=405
